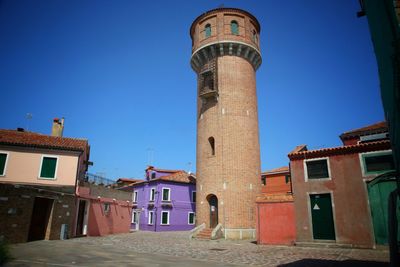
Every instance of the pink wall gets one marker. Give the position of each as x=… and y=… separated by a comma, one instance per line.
x=276, y=223
x=117, y=220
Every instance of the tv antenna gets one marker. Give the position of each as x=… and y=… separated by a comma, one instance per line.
x=28, y=117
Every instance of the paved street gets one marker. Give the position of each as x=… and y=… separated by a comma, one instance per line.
x=176, y=249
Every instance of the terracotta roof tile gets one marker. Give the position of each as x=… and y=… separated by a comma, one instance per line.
x=179, y=177
x=274, y=198
x=378, y=127
x=362, y=147
x=31, y=139
x=129, y=180
x=276, y=170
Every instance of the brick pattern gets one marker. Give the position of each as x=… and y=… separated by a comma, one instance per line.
x=233, y=173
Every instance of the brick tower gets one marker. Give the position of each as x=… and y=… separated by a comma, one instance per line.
x=225, y=57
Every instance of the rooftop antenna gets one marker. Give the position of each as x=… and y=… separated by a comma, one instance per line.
x=189, y=167
x=150, y=156
x=28, y=117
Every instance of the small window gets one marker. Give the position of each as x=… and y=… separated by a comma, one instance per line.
x=151, y=217
x=254, y=36
x=106, y=207
x=152, y=194
x=207, y=30
x=48, y=167
x=317, y=169
x=212, y=145
x=264, y=180
x=134, y=217
x=208, y=81
x=234, y=27
x=287, y=179
x=191, y=218
x=135, y=196
x=165, y=218
x=3, y=161
x=166, y=196
x=153, y=175
x=376, y=163
x=193, y=196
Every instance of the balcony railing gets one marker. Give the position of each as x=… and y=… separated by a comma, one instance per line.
x=97, y=179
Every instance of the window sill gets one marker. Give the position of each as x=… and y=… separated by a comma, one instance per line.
x=47, y=178
x=164, y=224
x=319, y=179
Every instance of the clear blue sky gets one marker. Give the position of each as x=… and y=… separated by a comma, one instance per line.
x=119, y=72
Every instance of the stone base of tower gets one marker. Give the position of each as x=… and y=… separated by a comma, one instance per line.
x=237, y=234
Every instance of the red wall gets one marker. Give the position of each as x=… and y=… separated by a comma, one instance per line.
x=117, y=220
x=276, y=223
x=276, y=183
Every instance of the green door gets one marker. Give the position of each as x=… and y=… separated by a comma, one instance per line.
x=378, y=194
x=322, y=217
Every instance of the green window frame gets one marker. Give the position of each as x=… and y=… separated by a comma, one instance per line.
x=377, y=163
x=191, y=218
x=207, y=31
x=3, y=163
x=164, y=217
x=234, y=27
x=48, y=167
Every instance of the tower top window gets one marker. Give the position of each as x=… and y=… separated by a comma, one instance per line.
x=207, y=30
x=234, y=27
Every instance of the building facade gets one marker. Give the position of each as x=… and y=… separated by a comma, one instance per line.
x=225, y=57
x=38, y=174
x=335, y=189
x=165, y=201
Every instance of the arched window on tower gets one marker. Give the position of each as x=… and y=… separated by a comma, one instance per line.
x=207, y=30
x=212, y=145
x=234, y=27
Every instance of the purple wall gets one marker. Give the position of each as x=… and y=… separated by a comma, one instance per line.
x=179, y=207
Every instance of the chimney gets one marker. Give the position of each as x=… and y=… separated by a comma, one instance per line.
x=58, y=127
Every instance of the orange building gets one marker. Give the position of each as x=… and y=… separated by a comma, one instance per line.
x=275, y=209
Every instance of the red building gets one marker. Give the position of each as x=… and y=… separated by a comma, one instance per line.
x=340, y=193
x=275, y=209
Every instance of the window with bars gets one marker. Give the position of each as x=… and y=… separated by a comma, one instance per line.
x=317, y=169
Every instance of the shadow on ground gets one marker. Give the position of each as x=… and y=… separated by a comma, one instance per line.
x=333, y=263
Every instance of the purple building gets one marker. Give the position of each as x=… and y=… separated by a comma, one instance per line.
x=165, y=201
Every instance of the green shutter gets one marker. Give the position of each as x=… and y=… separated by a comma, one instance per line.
x=48, y=167
x=164, y=218
x=3, y=158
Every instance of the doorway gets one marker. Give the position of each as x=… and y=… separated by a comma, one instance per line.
x=40, y=218
x=322, y=217
x=81, y=224
x=213, y=203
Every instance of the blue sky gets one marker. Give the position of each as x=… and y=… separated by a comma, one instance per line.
x=119, y=72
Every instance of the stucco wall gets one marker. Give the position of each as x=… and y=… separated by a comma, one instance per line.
x=349, y=197
x=24, y=167
x=276, y=223
x=276, y=183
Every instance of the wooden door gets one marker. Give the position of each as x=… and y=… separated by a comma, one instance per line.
x=322, y=217
x=40, y=218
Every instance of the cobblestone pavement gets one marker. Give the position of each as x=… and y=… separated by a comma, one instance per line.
x=180, y=249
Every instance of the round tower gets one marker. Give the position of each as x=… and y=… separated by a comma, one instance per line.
x=225, y=57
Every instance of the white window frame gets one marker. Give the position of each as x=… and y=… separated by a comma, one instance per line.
x=169, y=194
x=106, y=207
x=194, y=217
x=192, y=196
x=364, y=171
x=41, y=164
x=152, y=197
x=135, y=196
x=134, y=216
x=5, y=164
x=317, y=179
x=161, y=221
x=151, y=218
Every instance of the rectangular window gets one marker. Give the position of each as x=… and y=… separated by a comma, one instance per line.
x=3, y=161
x=191, y=218
x=48, y=167
x=152, y=194
x=134, y=217
x=135, y=196
x=375, y=163
x=151, y=217
x=264, y=180
x=287, y=179
x=166, y=196
x=193, y=196
x=165, y=218
x=317, y=169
